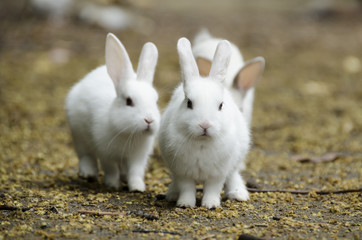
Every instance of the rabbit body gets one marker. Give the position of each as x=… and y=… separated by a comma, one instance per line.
x=113, y=116
x=243, y=94
x=203, y=137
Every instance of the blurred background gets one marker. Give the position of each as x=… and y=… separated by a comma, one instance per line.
x=309, y=101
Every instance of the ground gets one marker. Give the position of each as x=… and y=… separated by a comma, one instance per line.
x=308, y=103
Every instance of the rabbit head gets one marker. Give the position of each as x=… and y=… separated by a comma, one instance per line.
x=245, y=79
x=135, y=108
x=206, y=103
x=241, y=77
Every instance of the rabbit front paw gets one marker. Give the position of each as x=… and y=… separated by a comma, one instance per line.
x=239, y=195
x=210, y=202
x=88, y=168
x=136, y=185
x=186, y=202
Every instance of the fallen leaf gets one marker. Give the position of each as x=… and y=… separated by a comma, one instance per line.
x=328, y=157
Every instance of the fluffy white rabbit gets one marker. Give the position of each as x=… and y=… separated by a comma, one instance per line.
x=113, y=116
x=203, y=136
x=240, y=77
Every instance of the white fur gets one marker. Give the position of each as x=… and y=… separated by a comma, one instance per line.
x=103, y=126
x=205, y=46
x=214, y=159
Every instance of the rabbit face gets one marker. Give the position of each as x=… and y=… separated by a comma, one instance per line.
x=203, y=105
x=202, y=109
x=136, y=109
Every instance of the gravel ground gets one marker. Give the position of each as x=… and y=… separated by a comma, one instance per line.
x=308, y=104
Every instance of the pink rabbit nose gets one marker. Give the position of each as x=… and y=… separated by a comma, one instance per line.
x=205, y=126
x=149, y=121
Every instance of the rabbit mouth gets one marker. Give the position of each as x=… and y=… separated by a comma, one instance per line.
x=204, y=135
x=148, y=129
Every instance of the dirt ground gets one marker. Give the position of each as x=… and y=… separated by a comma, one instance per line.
x=309, y=103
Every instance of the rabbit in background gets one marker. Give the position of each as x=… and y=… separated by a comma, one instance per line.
x=113, y=116
x=241, y=77
x=203, y=136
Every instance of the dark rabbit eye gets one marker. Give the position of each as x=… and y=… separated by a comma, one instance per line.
x=129, y=102
x=221, y=106
x=189, y=104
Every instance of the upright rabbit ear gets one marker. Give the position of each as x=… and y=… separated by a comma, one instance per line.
x=119, y=66
x=249, y=74
x=188, y=65
x=147, y=63
x=221, y=60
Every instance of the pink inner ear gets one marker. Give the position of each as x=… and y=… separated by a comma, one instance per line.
x=119, y=66
x=248, y=76
x=204, y=66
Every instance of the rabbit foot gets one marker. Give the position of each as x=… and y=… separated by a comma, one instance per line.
x=239, y=195
x=87, y=168
x=88, y=173
x=182, y=202
x=210, y=203
x=136, y=185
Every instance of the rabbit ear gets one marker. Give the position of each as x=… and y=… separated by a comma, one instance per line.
x=147, y=63
x=249, y=74
x=119, y=66
x=204, y=66
x=221, y=60
x=188, y=65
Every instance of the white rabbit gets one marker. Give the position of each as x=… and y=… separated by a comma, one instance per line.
x=113, y=116
x=203, y=136
x=240, y=77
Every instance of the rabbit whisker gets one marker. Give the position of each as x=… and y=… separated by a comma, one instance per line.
x=128, y=143
x=115, y=136
x=185, y=140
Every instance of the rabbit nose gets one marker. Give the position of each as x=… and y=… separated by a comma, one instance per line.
x=148, y=120
x=205, y=125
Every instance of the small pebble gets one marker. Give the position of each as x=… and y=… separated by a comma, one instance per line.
x=43, y=225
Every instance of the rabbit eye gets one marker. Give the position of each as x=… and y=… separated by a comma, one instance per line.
x=221, y=106
x=189, y=104
x=129, y=102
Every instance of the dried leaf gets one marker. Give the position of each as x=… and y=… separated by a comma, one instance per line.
x=328, y=157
